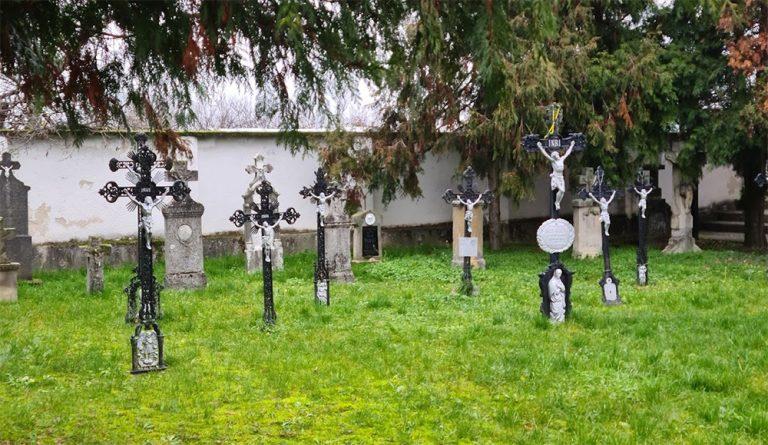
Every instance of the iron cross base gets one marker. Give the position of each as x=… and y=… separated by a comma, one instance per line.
x=610, y=285
x=322, y=287
x=468, y=287
x=642, y=252
x=147, y=349
x=566, y=278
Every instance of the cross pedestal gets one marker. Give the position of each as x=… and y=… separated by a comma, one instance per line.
x=457, y=216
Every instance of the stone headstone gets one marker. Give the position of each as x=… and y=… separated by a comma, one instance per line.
x=338, y=248
x=8, y=269
x=477, y=261
x=586, y=222
x=366, y=236
x=15, y=210
x=184, y=268
x=95, y=251
x=252, y=238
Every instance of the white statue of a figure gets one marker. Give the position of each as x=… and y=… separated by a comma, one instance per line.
x=557, y=181
x=605, y=217
x=556, y=297
x=469, y=213
x=146, y=207
x=643, y=199
x=322, y=204
x=267, y=238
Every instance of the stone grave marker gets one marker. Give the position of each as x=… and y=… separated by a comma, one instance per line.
x=8, y=269
x=252, y=238
x=338, y=241
x=586, y=221
x=14, y=208
x=95, y=251
x=366, y=236
x=184, y=266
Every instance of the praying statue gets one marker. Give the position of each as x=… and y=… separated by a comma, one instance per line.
x=267, y=238
x=322, y=204
x=643, y=199
x=146, y=208
x=605, y=217
x=557, y=181
x=556, y=297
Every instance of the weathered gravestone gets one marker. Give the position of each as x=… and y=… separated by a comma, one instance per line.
x=555, y=235
x=144, y=195
x=682, y=239
x=8, y=269
x=468, y=242
x=184, y=268
x=338, y=245
x=253, y=238
x=586, y=222
x=95, y=251
x=366, y=236
x=14, y=209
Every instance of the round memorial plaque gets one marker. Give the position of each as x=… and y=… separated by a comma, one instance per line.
x=555, y=235
x=184, y=233
x=370, y=219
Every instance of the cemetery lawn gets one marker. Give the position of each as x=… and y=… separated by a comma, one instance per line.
x=399, y=358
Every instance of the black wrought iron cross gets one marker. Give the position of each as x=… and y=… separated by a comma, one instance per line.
x=642, y=187
x=144, y=195
x=321, y=193
x=265, y=217
x=603, y=195
x=468, y=197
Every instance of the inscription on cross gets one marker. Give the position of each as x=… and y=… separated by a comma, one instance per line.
x=265, y=217
x=320, y=194
x=144, y=195
x=468, y=197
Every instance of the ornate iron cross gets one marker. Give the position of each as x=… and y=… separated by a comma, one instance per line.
x=321, y=193
x=467, y=197
x=642, y=187
x=600, y=191
x=144, y=195
x=266, y=217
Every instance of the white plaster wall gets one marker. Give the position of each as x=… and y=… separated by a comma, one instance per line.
x=64, y=202
x=718, y=184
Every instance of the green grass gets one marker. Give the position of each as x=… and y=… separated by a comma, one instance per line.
x=398, y=357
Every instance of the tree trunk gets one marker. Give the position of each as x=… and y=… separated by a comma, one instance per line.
x=753, y=203
x=494, y=210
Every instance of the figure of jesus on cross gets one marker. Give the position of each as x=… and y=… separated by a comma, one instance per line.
x=265, y=217
x=550, y=146
x=469, y=198
x=321, y=193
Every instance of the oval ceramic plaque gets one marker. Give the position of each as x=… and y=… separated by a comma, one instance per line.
x=184, y=233
x=555, y=235
x=370, y=219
